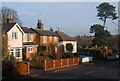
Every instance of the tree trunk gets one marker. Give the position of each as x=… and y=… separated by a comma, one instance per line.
x=104, y=23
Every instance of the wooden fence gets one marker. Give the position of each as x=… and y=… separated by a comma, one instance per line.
x=22, y=67
x=49, y=65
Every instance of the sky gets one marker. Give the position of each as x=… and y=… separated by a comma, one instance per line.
x=72, y=18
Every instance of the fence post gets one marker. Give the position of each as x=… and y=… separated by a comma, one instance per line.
x=28, y=67
x=78, y=60
x=53, y=64
x=67, y=62
x=45, y=64
x=73, y=60
x=60, y=62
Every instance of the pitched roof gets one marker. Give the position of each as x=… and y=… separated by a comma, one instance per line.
x=27, y=30
x=6, y=27
x=29, y=43
x=64, y=37
x=45, y=32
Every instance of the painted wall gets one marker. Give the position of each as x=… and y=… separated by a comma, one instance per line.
x=74, y=43
x=15, y=42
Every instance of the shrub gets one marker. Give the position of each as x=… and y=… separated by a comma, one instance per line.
x=68, y=55
x=37, y=61
x=8, y=66
x=41, y=49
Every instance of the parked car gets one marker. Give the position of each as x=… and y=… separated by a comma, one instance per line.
x=112, y=56
x=84, y=56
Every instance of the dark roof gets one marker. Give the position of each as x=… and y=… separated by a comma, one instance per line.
x=27, y=30
x=6, y=27
x=45, y=32
x=29, y=43
x=64, y=37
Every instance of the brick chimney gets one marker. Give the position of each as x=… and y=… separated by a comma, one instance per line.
x=40, y=25
x=9, y=19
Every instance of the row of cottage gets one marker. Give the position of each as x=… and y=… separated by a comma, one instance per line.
x=29, y=38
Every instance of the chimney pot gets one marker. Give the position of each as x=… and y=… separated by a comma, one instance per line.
x=9, y=18
x=40, y=24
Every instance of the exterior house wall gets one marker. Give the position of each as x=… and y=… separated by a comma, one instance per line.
x=28, y=37
x=15, y=45
x=14, y=42
x=34, y=47
x=40, y=39
x=74, y=43
x=35, y=38
x=48, y=40
x=29, y=53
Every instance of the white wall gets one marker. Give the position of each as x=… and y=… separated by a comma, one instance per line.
x=74, y=43
x=12, y=42
x=15, y=43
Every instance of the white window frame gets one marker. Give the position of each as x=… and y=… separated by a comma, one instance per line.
x=25, y=37
x=44, y=39
x=17, y=53
x=14, y=35
x=30, y=48
x=50, y=39
x=31, y=38
x=55, y=39
x=12, y=51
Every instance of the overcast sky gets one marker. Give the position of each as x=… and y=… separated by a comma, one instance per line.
x=73, y=18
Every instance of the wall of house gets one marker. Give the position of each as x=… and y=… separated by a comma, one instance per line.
x=29, y=53
x=28, y=37
x=40, y=38
x=14, y=42
x=74, y=43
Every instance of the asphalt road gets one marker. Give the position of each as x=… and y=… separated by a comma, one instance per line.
x=97, y=70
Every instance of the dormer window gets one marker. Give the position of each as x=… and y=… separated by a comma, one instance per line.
x=14, y=35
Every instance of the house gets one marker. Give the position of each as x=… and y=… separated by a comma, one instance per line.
x=64, y=39
x=45, y=37
x=29, y=42
x=14, y=35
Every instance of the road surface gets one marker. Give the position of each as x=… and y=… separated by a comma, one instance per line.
x=98, y=70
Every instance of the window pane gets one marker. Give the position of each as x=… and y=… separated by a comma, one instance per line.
x=25, y=37
x=17, y=52
x=30, y=49
x=31, y=38
x=55, y=39
x=14, y=35
x=44, y=39
x=50, y=39
x=12, y=52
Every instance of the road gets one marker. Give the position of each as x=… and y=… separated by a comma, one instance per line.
x=97, y=70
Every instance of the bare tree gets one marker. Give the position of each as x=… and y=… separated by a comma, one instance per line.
x=4, y=45
x=8, y=11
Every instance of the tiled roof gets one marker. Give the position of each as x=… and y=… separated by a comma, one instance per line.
x=45, y=32
x=29, y=43
x=6, y=27
x=64, y=37
x=27, y=30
